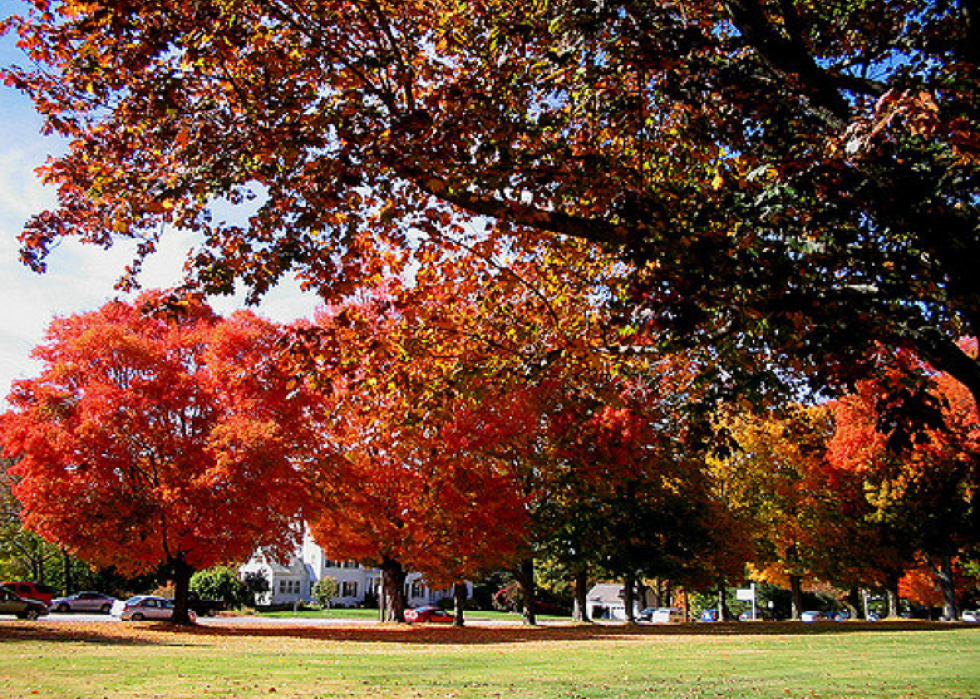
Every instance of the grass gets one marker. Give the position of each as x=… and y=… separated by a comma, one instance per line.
x=856, y=661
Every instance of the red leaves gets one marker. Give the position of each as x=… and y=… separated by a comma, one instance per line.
x=149, y=436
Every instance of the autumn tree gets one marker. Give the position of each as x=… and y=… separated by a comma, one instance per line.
x=788, y=181
x=398, y=484
x=22, y=552
x=920, y=492
x=157, y=435
x=775, y=477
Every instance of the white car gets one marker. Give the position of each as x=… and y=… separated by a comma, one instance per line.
x=972, y=617
x=146, y=607
x=667, y=615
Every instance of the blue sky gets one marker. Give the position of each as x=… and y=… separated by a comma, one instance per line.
x=79, y=278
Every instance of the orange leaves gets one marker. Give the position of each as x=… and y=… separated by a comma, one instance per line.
x=163, y=432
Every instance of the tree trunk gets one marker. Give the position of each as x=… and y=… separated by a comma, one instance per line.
x=796, y=603
x=891, y=594
x=944, y=573
x=66, y=562
x=525, y=578
x=853, y=602
x=580, y=611
x=658, y=594
x=460, y=595
x=722, y=606
x=392, y=591
x=629, y=597
x=181, y=573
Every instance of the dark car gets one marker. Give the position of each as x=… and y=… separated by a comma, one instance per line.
x=424, y=615
x=204, y=607
x=760, y=615
x=21, y=608
x=83, y=602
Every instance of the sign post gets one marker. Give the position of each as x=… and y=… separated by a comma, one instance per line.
x=747, y=595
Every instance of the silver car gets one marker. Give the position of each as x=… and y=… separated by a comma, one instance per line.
x=146, y=607
x=84, y=602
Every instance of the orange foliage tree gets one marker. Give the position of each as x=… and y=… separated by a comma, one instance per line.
x=776, y=172
x=399, y=484
x=158, y=435
x=921, y=487
x=775, y=478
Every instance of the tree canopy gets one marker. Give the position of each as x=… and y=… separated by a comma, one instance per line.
x=153, y=440
x=790, y=182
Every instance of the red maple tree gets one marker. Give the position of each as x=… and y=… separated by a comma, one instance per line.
x=157, y=436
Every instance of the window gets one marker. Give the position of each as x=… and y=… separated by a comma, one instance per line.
x=348, y=589
x=417, y=589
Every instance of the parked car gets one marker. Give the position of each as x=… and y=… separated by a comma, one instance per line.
x=83, y=602
x=709, y=615
x=428, y=615
x=30, y=609
x=204, y=607
x=667, y=615
x=30, y=590
x=810, y=617
x=840, y=616
x=760, y=615
x=146, y=607
x=972, y=617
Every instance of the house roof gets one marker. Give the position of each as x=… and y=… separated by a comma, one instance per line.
x=606, y=592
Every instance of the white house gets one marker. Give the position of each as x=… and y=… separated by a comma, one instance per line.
x=293, y=583
x=605, y=601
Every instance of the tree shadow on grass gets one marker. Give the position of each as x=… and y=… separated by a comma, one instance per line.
x=157, y=633
x=102, y=633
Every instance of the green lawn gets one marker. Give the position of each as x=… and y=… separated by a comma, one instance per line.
x=851, y=661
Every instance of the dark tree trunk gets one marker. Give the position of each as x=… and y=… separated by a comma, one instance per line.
x=392, y=602
x=796, y=601
x=629, y=597
x=580, y=610
x=853, y=602
x=525, y=578
x=944, y=573
x=722, y=605
x=658, y=594
x=66, y=562
x=460, y=596
x=891, y=594
x=181, y=573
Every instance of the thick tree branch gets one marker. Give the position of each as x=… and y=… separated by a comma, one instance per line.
x=592, y=230
x=788, y=55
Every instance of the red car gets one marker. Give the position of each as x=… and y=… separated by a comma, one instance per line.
x=30, y=590
x=424, y=615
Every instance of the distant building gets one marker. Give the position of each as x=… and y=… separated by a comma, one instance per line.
x=605, y=601
x=293, y=582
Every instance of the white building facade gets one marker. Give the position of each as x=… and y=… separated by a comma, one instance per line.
x=292, y=583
